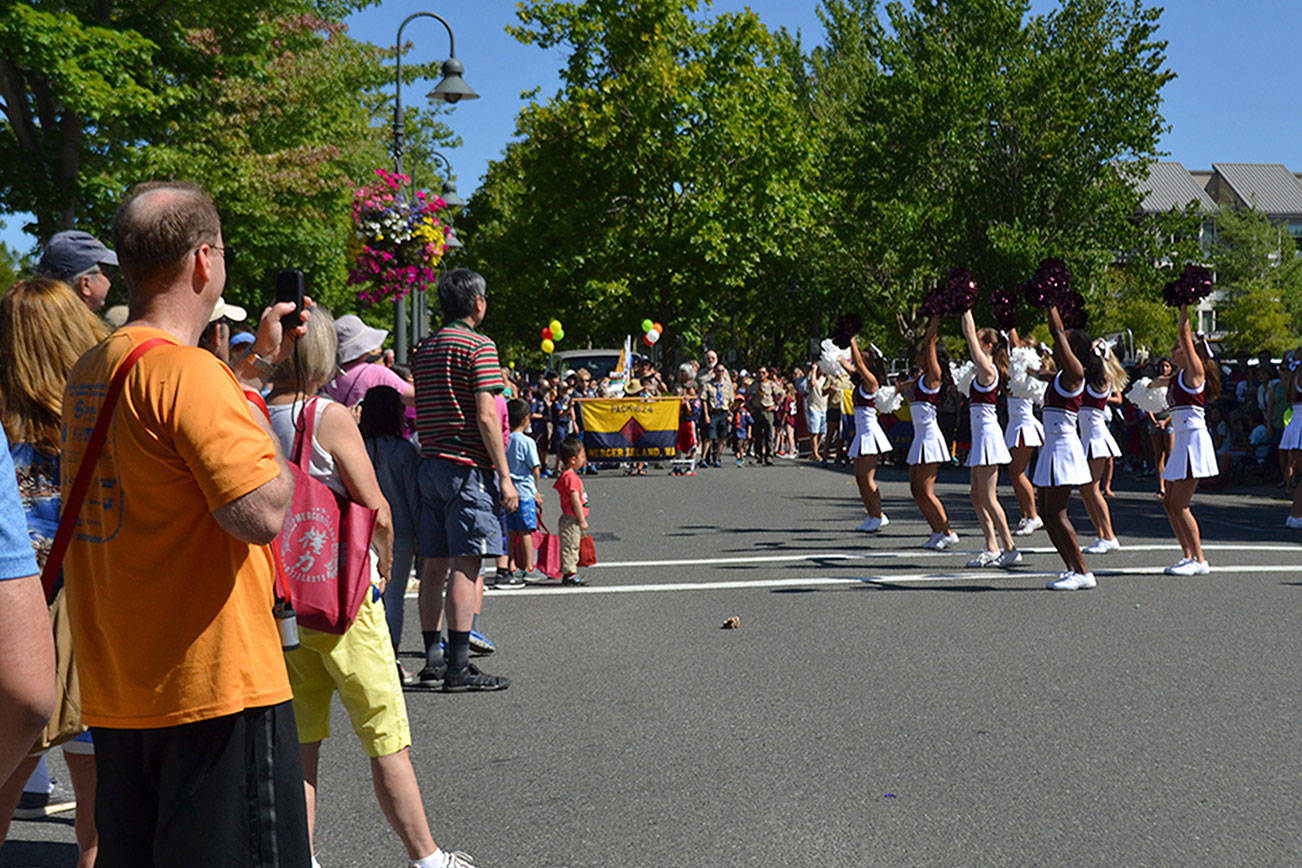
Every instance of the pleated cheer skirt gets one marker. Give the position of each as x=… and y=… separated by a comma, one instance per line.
x=1192, y=454
x=1062, y=457
x=929, y=446
x=1095, y=436
x=1293, y=431
x=1023, y=428
x=988, y=446
x=869, y=438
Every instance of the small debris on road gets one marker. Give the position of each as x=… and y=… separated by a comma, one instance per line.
x=731, y=623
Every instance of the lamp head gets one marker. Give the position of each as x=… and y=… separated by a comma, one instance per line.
x=453, y=87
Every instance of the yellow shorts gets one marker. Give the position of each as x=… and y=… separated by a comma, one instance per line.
x=361, y=666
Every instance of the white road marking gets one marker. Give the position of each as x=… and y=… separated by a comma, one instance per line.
x=823, y=581
x=925, y=553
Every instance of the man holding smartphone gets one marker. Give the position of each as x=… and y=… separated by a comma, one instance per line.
x=169, y=577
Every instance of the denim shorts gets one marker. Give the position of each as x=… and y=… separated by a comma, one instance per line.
x=817, y=421
x=458, y=511
x=524, y=519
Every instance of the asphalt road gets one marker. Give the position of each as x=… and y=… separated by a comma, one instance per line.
x=879, y=704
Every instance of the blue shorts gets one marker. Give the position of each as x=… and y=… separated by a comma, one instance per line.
x=458, y=511
x=817, y=421
x=524, y=519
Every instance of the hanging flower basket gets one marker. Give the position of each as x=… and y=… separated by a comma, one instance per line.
x=399, y=238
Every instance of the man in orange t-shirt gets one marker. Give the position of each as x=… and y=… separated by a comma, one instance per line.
x=169, y=576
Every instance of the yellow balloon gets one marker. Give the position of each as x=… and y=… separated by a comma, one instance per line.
x=548, y=347
x=554, y=325
x=511, y=365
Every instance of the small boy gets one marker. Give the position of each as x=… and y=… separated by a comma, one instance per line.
x=525, y=466
x=741, y=424
x=574, y=507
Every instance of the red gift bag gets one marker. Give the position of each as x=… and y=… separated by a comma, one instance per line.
x=587, y=551
x=547, y=550
x=325, y=545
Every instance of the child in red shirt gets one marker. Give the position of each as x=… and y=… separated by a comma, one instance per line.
x=574, y=507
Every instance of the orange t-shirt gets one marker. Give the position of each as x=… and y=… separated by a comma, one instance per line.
x=171, y=615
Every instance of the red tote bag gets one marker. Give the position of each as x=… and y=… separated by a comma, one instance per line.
x=325, y=545
x=547, y=550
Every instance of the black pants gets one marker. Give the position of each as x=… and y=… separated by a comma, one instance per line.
x=763, y=432
x=223, y=792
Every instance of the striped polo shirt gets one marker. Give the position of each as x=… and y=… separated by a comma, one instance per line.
x=449, y=368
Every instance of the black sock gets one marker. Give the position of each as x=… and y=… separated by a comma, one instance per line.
x=433, y=653
x=458, y=649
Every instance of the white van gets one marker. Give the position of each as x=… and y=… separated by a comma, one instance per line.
x=598, y=362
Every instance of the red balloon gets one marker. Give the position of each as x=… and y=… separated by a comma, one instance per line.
x=646, y=340
x=546, y=334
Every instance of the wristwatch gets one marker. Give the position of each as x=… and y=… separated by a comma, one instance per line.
x=264, y=367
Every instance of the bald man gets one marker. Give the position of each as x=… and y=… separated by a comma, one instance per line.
x=169, y=579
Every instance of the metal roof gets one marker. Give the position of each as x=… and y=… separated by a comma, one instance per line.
x=1169, y=185
x=1267, y=187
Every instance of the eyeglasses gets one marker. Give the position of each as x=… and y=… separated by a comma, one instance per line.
x=227, y=252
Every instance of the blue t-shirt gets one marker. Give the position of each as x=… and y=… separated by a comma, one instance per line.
x=521, y=459
x=17, y=559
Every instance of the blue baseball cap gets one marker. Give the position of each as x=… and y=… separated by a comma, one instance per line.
x=68, y=254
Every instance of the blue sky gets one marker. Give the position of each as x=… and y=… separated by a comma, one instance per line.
x=1233, y=99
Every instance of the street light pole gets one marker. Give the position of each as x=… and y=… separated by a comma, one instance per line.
x=451, y=89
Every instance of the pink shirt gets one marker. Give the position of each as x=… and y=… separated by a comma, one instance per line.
x=350, y=387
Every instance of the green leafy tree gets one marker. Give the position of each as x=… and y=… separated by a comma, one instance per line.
x=1261, y=277
x=271, y=106
x=663, y=180
x=987, y=137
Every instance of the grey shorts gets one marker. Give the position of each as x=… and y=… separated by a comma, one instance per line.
x=458, y=511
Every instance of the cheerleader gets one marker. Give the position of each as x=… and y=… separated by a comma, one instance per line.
x=1291, y=442
x=988, y=448
x=1061, y=465
x=1023, y=434
x=1104, y=380
x=869, y=438
x=929, y=449
x=1197, y=380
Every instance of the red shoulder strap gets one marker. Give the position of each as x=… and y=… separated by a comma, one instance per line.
x=72, y=506
x=303, y=434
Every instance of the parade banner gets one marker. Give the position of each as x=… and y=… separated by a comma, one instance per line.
x=629, y=429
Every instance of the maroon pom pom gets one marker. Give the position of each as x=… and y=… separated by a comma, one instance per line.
x=1190, y=287
x=1003, y=306
x=935, y=303
x=1051, y=280
x=1071, y=307
x=960, y=291
x=847, y=325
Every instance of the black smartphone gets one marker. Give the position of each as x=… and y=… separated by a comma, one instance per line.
x=289, y=287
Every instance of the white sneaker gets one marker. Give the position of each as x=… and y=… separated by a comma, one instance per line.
x=1294, y=522
x=1028, y=526
x=1102, y=546
x=1008, y=558
x=1189, y=567
x=1178, y=565
x=946, y=540
x=883, y=521
x=933, y=542
x=985, y=559
x=868, y=525
x=456, y=860
x=1073, y=582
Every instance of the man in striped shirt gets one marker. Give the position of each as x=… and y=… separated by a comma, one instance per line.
x=463, y=477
